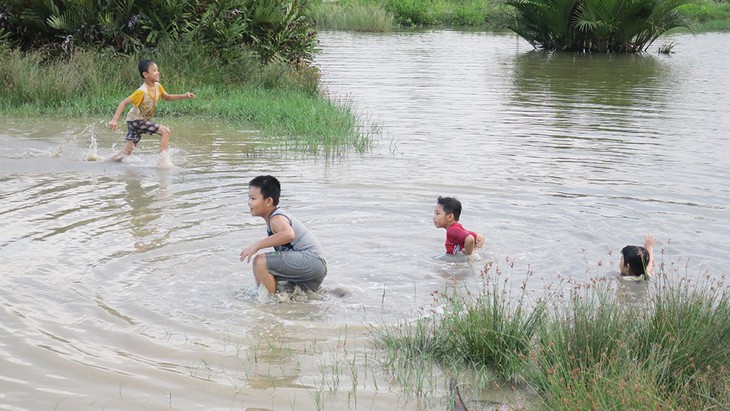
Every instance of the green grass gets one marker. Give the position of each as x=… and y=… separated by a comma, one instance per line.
x=353, y=16
x=586, y=346
x=281, y=102
x=704, y=11
x=706, y=16
x=387, y=15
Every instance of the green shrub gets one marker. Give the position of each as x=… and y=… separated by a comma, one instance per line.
x=277, y=30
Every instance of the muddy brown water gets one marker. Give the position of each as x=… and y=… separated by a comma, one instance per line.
x=121, y=283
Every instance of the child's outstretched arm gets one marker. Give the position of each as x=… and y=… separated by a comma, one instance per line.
x=115, y=120
x=649, y=242
x=283, y=233
x=173, y=97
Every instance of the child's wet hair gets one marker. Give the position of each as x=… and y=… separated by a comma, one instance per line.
x=451, y=206
x=637, y=258
x=269, y=186
x=143, y=66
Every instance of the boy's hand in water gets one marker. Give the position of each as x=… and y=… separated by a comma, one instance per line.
x=480, y=241
x=249, y=252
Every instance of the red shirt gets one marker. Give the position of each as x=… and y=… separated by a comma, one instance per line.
x=456, y=234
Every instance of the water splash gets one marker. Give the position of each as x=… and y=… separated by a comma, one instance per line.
x=263, y=296
x=93, y=155
x=164, y=159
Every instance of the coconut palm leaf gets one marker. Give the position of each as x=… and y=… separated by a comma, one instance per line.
x=544, y=23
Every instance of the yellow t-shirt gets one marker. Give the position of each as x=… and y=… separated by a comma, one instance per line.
x=144, y=101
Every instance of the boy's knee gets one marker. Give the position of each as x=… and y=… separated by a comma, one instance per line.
x=259, y=261
x=164, y=131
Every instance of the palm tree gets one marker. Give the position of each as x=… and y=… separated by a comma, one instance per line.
x=627, y=26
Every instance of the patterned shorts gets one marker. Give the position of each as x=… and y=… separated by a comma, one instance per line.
x=136, y=128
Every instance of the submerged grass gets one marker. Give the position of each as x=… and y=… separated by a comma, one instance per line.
x=586, y=346
x=282, y=103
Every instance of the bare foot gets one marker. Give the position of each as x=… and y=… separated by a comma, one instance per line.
x=117, y=157
x=164, y=159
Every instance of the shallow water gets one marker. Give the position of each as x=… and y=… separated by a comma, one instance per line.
x=122, y=285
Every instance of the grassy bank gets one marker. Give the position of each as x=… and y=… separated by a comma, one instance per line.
x=387, y=15
x=708, y=15
x=279, y=101
x=585, y=346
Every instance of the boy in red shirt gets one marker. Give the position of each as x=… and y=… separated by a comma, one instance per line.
x=458, y=239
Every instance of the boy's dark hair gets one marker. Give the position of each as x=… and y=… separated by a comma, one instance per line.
x=637, y=258
x=451, y=206
x=143, y=66
x=269, y=187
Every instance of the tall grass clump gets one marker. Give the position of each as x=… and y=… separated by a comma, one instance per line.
x=599, y=352
x=488, y=330
x=584, y=349
x=296, y=120
x=685, y=339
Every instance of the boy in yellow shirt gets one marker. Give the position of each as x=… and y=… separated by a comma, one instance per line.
x=144, y=100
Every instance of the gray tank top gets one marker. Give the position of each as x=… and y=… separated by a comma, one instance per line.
x=304, y=240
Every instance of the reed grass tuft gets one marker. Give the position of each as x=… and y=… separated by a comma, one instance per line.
x=488, y=329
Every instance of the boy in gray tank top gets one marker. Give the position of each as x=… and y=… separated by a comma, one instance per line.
x=297, y=256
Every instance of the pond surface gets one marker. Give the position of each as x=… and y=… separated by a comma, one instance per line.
x=121, y=283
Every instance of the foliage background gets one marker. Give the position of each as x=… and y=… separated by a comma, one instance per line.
x=276, y=30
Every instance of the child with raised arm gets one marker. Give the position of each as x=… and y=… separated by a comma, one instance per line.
x=637, y=263
x=297, y=256
x=144, y=100
x=458, y=239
